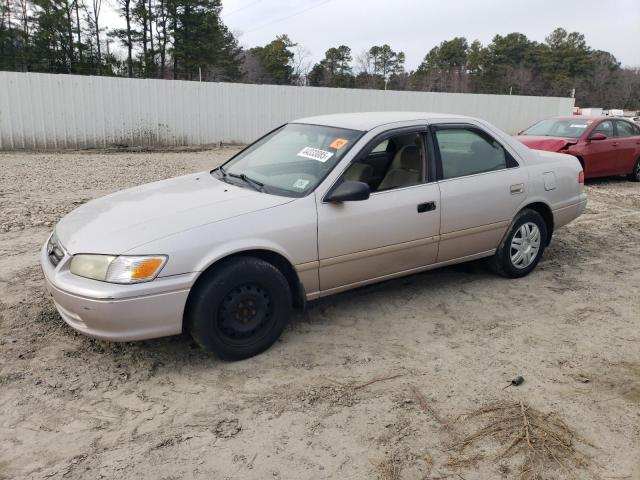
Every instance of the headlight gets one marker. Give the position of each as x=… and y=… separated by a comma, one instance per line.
x=122, y=269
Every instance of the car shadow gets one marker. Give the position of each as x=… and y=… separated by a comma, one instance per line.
x=422, y=283
x=605, y=180
x=180, y=350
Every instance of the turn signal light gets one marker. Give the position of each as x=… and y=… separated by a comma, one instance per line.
x=581, y=177
x=146, y=268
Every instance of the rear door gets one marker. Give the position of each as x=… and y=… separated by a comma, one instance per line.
x=628, y=137
x=481, y=188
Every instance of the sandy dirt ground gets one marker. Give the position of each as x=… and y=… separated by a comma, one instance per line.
x=72, y=407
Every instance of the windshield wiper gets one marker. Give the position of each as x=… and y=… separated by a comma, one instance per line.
x=259, y=186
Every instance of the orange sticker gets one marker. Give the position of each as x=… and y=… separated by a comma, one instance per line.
x=338, y=143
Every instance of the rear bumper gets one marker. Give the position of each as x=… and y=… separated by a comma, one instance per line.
x=117, y=312
x=564, y=215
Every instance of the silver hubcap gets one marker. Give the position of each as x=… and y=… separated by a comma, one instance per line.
x=525, y=245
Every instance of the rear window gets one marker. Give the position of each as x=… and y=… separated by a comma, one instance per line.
x=466, y=152
x=625, y=129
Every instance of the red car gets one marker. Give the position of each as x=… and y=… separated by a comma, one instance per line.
x=605, y=146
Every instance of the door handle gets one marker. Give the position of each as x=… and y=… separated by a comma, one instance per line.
x=615, y=144
x=426, y=207
x=517, y=188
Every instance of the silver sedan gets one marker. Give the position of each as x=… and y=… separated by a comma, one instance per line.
x=316, y=207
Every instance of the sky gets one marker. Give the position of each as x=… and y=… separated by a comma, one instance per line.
x=416, y=26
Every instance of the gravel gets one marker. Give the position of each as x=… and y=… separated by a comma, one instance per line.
x=332, y=398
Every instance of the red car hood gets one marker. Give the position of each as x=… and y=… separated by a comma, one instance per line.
x=550, y=144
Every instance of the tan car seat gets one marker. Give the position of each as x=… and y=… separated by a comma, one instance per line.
x=359, y=172
x=405, y=169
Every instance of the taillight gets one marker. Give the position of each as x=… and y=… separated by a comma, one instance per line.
x=581, y=177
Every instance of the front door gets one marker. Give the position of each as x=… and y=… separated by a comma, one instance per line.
x=481, y=188
x=601, y=157
x=395, y=230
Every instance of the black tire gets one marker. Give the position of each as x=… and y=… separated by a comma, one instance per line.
x=502, y=263
x=634, y=176
x=240, y=308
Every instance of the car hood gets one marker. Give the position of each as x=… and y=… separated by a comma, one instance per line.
x=550, y=144
x=123, y=220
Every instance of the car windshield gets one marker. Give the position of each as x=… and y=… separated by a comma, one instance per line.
x=568, y=128
x=291, y=160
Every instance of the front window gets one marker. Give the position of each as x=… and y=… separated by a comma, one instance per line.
x=605, y=128
x=291, y=160
x=566, y=128
x=396, y=162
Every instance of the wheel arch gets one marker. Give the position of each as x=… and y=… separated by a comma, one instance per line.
x=270, y=256
x=546, y=213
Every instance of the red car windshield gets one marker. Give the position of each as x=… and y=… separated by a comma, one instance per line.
x=566, y=128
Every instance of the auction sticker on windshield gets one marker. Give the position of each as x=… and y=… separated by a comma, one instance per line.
x=315, y=154
x=338, y=143
x=301, y=184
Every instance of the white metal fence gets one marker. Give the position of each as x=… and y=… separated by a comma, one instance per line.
x=43, y=111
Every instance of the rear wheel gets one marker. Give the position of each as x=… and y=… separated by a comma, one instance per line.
x=523, y=246
x=240, y=308
x=634, y=176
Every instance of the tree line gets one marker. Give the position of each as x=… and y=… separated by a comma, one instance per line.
x=187, y=39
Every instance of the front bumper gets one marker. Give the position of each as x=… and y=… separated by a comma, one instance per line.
x=117, y=312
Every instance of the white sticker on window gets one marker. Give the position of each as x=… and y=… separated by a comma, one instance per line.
x=315, y=154
x=301, y=184
x=577, y=125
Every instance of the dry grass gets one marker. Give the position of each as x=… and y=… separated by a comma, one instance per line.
x=391, y=468
x=541, y=442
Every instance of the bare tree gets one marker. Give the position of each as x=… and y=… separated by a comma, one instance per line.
x=152, y=53
x=252, y=69
x=68, y=13
x=24, y=15
x=162, y=16
x=364, y=62
x=76, y=6
x=365, y=70
x=5, y=9
x=94, y=21
x=126, y=34
x=301, y=64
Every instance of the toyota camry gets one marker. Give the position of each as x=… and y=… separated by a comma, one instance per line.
x=315, y=207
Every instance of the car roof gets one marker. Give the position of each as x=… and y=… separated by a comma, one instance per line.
x=368, y=120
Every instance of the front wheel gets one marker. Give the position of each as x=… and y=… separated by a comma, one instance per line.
x=240, y=308
x=522, y=247
x=634, y=176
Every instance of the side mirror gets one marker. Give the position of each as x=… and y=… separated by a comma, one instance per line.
x=598, y=136
x=349, y=191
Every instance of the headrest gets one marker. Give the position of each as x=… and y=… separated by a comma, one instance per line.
x=410, y=158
